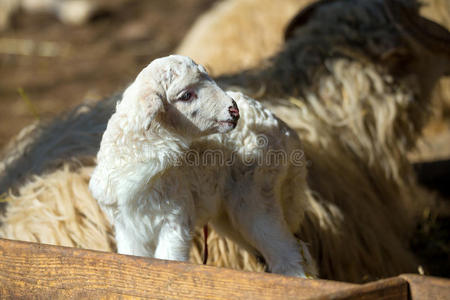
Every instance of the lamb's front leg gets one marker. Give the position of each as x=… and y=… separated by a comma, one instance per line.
x=175, y=238
x=129, y=242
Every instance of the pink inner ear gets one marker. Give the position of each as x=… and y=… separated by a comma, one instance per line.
x=152, y=104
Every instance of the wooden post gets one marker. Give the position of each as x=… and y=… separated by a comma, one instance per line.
x=427, y=287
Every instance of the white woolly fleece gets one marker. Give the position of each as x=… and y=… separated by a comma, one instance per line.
x=167, y=164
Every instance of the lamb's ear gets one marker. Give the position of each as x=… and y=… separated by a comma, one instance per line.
x=152, y=105
x=203, y=69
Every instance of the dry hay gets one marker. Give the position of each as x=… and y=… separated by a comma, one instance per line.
x=357, y=115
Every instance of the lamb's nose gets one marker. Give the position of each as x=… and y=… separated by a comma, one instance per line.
x=234, y=111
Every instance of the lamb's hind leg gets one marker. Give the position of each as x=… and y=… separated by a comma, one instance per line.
x=261, y=223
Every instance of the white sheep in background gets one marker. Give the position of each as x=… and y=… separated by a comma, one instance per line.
x=350, y=80
x=248, y=31
x=155, y=194
x=73, y=12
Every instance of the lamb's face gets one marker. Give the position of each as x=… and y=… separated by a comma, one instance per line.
x=192, y=103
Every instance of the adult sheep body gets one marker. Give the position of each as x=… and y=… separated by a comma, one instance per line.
x=352, y=87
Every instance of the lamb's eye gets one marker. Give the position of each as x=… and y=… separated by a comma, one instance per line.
x=186, y=96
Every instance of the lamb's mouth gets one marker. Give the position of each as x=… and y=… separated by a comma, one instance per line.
x=231, y=123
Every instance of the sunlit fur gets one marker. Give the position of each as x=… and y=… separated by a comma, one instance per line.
x=155, y=196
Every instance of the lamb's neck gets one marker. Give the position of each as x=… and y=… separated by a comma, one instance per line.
x=137, y=161
x=162, y=148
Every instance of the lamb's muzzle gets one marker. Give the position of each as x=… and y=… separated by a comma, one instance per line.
x=234, y=113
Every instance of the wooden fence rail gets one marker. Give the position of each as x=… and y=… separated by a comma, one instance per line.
x=31, y=270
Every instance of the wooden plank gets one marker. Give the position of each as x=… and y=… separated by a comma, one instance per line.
x=40, y=271
x=427, y=287
x=394, y=288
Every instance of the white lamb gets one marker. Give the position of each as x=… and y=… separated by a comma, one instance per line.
x=169, y=161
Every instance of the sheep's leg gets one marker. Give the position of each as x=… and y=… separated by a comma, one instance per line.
x=271, y=237
x=174, y=240
x=222, y=225
x=128, y=243
x=263, y=226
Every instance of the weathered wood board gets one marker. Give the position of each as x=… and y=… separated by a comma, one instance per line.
x=427, y=287
x=38, y=271
x=49, y=272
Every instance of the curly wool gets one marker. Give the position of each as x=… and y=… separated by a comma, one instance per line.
x=61, y=211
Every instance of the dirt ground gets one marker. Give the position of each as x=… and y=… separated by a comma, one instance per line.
x=47, y=67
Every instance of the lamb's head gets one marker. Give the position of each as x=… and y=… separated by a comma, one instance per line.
x=176, y=93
